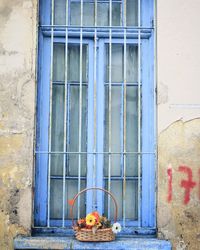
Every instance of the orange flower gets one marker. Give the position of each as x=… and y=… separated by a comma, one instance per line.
x=81, y=221
x=90, y=220
x=96, y=215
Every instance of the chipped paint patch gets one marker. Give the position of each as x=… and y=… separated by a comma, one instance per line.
x=179, y=145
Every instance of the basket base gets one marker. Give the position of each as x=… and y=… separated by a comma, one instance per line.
x=101, y=235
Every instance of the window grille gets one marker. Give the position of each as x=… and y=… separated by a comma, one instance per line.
x=95, y=115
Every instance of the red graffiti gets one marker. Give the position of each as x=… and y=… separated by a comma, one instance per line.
x=169, y=172
x=188, y=184
x=199, y=184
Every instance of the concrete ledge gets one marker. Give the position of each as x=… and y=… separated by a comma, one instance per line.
x=55, y=243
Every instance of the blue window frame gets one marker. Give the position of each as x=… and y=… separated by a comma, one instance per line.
x=101, y=92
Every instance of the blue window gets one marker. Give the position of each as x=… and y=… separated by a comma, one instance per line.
x=95, y=111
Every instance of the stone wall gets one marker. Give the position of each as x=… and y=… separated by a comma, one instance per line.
x=17, y=110
x=178, y=54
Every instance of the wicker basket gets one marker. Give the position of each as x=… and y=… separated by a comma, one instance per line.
x=84, y=234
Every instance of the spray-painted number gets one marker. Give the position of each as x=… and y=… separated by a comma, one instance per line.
x=188, y=184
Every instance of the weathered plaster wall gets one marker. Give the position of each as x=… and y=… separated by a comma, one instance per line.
x=178, y=39
x=17, y=98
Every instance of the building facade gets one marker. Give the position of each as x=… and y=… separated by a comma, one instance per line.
x=170, y=183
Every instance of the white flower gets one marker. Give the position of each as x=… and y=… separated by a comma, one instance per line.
x=116, y=228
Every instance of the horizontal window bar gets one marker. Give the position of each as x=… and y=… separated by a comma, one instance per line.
x=95, y=27
x=59, y=152
x=103, y=34
x=68, y=177
x=84, y=178
x=69, y=83
x=98, y=1
x=121, y=83
x=113, y=178
x=129, y=232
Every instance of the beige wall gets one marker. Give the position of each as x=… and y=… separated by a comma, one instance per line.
x=178, y=58
x=178, y=37
x=17, y=98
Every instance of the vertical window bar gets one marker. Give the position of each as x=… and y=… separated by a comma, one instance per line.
x=95, y=99
x=124, y=122
x=139, y=116
x=50, y=114
x=110, y=104
x=80, y=108
x=121, y=15
x=65, y=115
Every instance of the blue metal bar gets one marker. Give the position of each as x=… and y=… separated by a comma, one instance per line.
x=99, y=1
x=124, y=121
x=65, y=117
x=100, y=122
x=90, y=127
x=94, y=198
x=41, y=169
x=103, y=34
x=95, y=27
x=58, y=152
x=67, y=178
x=110, y=105
x=50, y=114
x=139, y=116
x=84, y=178
x=129, y=232
x=80, y=108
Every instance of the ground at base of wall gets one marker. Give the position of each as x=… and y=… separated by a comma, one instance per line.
x=71, y=243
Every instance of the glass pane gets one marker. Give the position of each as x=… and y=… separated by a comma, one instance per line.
x=117, y=69
x=115, y=130
x=102, y=14
x=75, y=13
x=132, y=12
x=116, y=190
x=131, y=199
x=59, y=62
x=56, y=198
x=88, y=14
x=116, y=14
x=131, y=63
x=116, y=65
x=74, y=130
x=71, y=191
x=74, y=63
x=131, y=130
x=57, y=131
x=59, y=12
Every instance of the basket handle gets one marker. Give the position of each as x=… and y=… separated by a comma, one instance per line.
x=71, y=202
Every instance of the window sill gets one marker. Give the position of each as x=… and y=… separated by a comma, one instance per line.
x=39, y=242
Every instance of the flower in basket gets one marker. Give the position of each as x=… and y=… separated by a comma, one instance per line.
x=116, y=228
x=90, y=220
x=94, y=222
x=96, y=215
x=81, y=223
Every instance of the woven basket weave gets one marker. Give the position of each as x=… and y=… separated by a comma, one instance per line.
x=84, y=234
